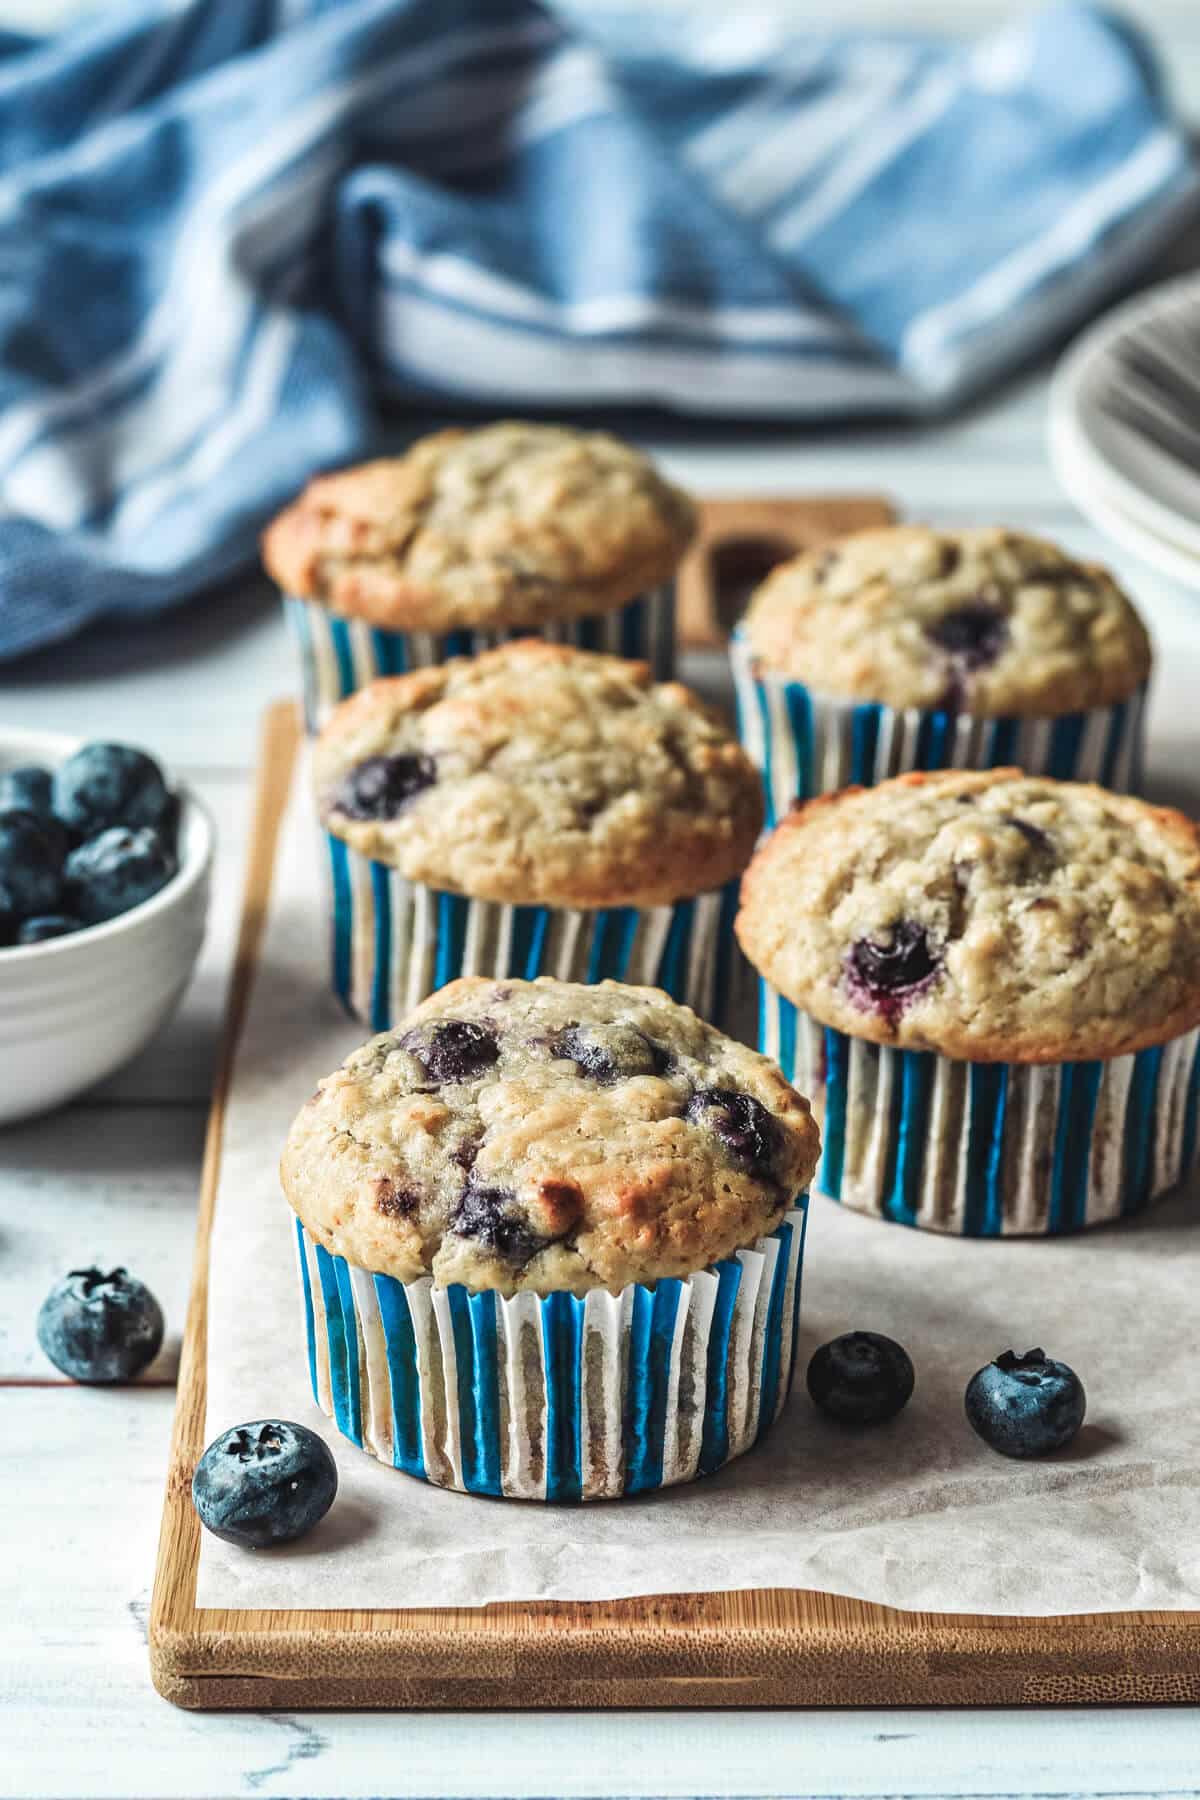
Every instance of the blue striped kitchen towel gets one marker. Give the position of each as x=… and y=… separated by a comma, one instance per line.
x=229, y=228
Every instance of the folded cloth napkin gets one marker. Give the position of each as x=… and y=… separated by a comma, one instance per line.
x=229, y=227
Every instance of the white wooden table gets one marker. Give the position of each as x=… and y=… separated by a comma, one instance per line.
x=115, y=1177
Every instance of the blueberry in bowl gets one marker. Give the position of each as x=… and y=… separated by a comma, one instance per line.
x=27, y=788
x=115, y=871
x=99, y=928
x=268, y=1482
x=31, y=865
x=86, y=840
x=109, y=784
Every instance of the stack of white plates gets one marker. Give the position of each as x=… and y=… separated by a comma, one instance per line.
x=1125, y=426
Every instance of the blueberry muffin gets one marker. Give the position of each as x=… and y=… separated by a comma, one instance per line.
x=607, y=812
x=909, y=647
x=512, y=1145
x=540, y=774
x=473, y=535
x=1027, y=954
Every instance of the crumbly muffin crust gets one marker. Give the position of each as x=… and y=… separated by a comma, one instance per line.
x=546, y=1136
x=984, y=621
x=994, y=916
x=511, y=524
x=536, y=774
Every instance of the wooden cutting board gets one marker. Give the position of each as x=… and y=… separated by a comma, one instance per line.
x=766, y=1648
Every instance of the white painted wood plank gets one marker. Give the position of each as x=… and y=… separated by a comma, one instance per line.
x=80, y=1718
x=189, y=684
x=105, y=1185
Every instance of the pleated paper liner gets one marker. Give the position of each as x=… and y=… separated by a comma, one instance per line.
x=339, y=655
x=556, y=1397
x=806, y=743
x=990, y=1149
x=396, y=941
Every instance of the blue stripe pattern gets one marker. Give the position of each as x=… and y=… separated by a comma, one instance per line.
x=987, y=1107
x=908, y=1136
x=1002, y=743
x=562, y=1346
x=473, y=1320
x=773, y=1340
x=614, y=931
x=802, y=1203
x=343, y=919
x=714, y=1448
x=331, y=671
x=478, y=1357
x=1112, y=747
x=1066, y=738
x=337, y=1303
x=381, y=1005
x=401, y=201
x=991, y=1149
x=310, y=1337
x=403, y=1374
x=863, y=730
x=864, y=744
x=652, y=1331
x=1139, y=1144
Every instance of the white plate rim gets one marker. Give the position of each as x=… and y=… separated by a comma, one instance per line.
x=1103, y=509
x=1068, y=410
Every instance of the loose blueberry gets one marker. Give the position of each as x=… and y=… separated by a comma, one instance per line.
x=110, y=784
x=861, y=1378
x=974, y=634
x=1025, y=1405
x=744, y=1126
x=609, y=1053
x=382, y=786
x=485, y=1213
x=115, y=871
x=47, y=925
x=27, y=789
x=99, y=1327
x=264, y=1483
x=453, y=1051
x=886, y=977
x=31, y=861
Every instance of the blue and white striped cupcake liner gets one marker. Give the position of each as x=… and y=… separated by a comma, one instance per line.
x=396, y=941
x=807, y=743
x=556, y=1397
x=339, y=655
x=990, y=1149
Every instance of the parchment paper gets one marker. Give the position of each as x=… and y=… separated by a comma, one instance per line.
x=916, y=1514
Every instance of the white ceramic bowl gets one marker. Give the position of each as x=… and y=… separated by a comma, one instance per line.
x=75, y=1008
